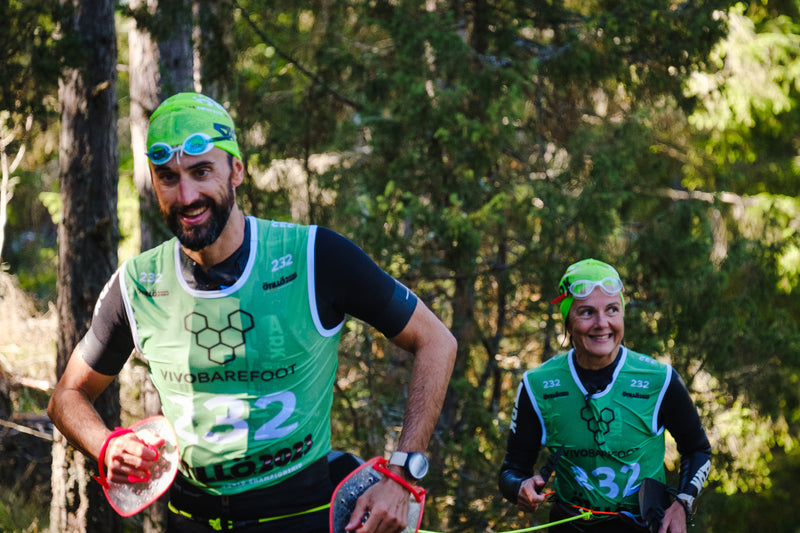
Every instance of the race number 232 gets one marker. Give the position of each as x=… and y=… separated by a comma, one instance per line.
x=608, y=481
x=230, y=413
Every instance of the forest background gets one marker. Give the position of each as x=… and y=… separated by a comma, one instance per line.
x=474, y=149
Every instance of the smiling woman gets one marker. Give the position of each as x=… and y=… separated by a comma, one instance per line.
x=595, y=312
x=606, y=408
x=597, y=327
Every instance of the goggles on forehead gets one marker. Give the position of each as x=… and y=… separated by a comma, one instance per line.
x=195, y=144
x=583, y=288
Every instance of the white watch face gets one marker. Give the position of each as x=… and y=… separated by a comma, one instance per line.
x=417, y=465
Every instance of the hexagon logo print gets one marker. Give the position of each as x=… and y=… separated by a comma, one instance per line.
x=223, y=345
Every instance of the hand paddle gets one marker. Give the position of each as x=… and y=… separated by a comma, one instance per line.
x=127, y=499
x=343, y=502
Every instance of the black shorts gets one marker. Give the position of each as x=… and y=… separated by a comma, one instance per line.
x=281, y=508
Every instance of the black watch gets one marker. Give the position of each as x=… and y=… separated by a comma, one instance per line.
x=415, y=464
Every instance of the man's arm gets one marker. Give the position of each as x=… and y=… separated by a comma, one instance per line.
x=71, y=409
x=71, y=406
x=88, y=373
x=349, y=282
x=92, y=366
x=435, y=352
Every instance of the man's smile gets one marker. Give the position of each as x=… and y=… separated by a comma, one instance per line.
x=194, y=215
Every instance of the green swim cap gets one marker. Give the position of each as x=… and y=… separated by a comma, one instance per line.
x=590, y=270
x=183, y=114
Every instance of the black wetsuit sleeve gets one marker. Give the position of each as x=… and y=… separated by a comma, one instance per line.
x=109, y=342
x=522, y=449
x=679, y=416
x=349, y=282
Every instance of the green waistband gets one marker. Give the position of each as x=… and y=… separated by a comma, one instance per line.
x=221, y=524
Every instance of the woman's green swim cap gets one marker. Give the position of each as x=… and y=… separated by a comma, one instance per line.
x=590, y=270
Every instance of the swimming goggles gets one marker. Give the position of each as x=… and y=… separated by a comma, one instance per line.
x=195, y=144
x=583, y=288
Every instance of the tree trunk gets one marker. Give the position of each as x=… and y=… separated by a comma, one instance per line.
x=176, y=52
x=168, y=43
x=143, y=56
x=88, y=238
x=215, y=56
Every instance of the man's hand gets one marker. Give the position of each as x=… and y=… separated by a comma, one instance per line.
x=674, y=520
x=385, y=505
x=130, y=457
x=529, y=497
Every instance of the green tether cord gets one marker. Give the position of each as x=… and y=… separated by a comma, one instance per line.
x=586, y=515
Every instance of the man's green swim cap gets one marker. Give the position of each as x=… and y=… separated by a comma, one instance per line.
x=590, y=270
x=183, y=114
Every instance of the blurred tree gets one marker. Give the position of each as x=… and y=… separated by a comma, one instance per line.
x=32, y=56
x=144, y=81
x=746, y=143
x=88, y=238
x=32, y=59
x=8, y=165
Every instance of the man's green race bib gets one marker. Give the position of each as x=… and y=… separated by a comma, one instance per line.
x=245, y=373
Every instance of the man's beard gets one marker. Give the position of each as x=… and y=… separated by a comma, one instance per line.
x=196, y=238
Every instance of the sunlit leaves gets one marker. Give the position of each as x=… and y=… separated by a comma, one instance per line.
x=756, y=76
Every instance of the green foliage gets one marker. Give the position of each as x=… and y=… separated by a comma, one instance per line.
x=475, y=150
x=768, y=510
x=748, y=103
x=33, y=56
x=20, y=516
x=30, y=249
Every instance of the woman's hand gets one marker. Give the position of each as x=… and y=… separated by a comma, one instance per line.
x=674, y=520
x=529, y=497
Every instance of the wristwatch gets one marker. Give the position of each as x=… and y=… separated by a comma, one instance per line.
x=415, y=464
x=688, y=503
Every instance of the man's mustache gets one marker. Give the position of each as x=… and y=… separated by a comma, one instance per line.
x=182, y=209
